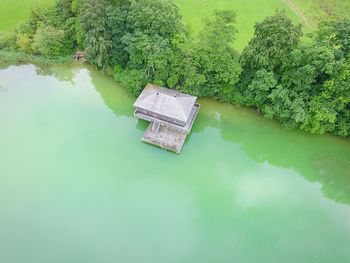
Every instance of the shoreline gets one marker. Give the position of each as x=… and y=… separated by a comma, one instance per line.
x=8, y=58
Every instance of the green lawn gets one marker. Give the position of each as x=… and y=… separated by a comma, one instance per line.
x=14, y=11
x=319, y=10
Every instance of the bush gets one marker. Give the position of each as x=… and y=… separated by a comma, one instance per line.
x=49, y=42
x=8, y=58
x=133, y=79
x=24, y=42
x=8, y=41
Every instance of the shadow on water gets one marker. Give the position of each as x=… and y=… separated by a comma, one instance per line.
x=62, y=72
x=142, y=125
x=324, y=159
x=112, y=94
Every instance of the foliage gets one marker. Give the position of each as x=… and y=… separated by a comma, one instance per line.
x=49, y=42
x=274, y=38
x=97, y=43
x=48, y=32
x=155, y=17
x=309, y=88
x=8, y=41
x=318, y=86
x=335, y=34
x=133, y=79
x=146, y=37
x=117, y=27
x=259, y=89
x=24, y=42
x=217, y=61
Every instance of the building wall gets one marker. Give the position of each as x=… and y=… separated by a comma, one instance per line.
x=159, y=116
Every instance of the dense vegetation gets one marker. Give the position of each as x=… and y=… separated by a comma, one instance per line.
x=302, y=84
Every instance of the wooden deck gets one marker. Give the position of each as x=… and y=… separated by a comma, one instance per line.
x=161, y=136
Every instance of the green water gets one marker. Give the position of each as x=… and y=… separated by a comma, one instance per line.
x=78, y=185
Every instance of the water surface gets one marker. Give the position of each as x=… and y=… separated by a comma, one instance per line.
x=78, y=185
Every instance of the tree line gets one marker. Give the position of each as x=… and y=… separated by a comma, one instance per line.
x=304, y=84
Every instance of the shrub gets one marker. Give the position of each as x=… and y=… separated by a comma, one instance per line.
x=8, y=41
x=133, y=79
x=49, y=42
x=24, y=42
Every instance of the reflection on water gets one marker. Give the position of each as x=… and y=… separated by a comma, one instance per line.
x=74, y=175
x=321, y=158
x=325, y=159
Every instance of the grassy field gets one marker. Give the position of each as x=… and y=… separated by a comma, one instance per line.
x=14, y=11
x=248, y=13
x=320, y=10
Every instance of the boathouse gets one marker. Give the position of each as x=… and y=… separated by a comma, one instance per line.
x=171, y=115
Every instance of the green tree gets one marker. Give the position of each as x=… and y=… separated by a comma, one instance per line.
x=146, y=37
x=215, y=57
x=132, y=79
x=49, y=42
x=97, y=42
x=24, y=37
x=273, y=39
x=117, y=28
x=260, y=88
x=336, y=34
x=317, y=85
x=77, y=8
x=155, y=17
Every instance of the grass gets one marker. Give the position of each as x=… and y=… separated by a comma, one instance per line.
x=320, y=10
x=248, y=13
x=15, y=58
x=14, y=11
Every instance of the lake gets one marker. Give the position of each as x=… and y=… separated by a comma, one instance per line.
x=78, y=185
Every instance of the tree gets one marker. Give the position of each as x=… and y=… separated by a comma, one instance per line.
x=97, y=42
x=260, y=88
x=335, y=34
x=132, y=79
x=215, y=57
x=49, y=42
x=117, y=27
x=318, y=88
x=24, y=37
x=77, y=8
x=145, y=38
x=47, y=32
x=273, y=39
x=307, y=86
x=155, y=17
